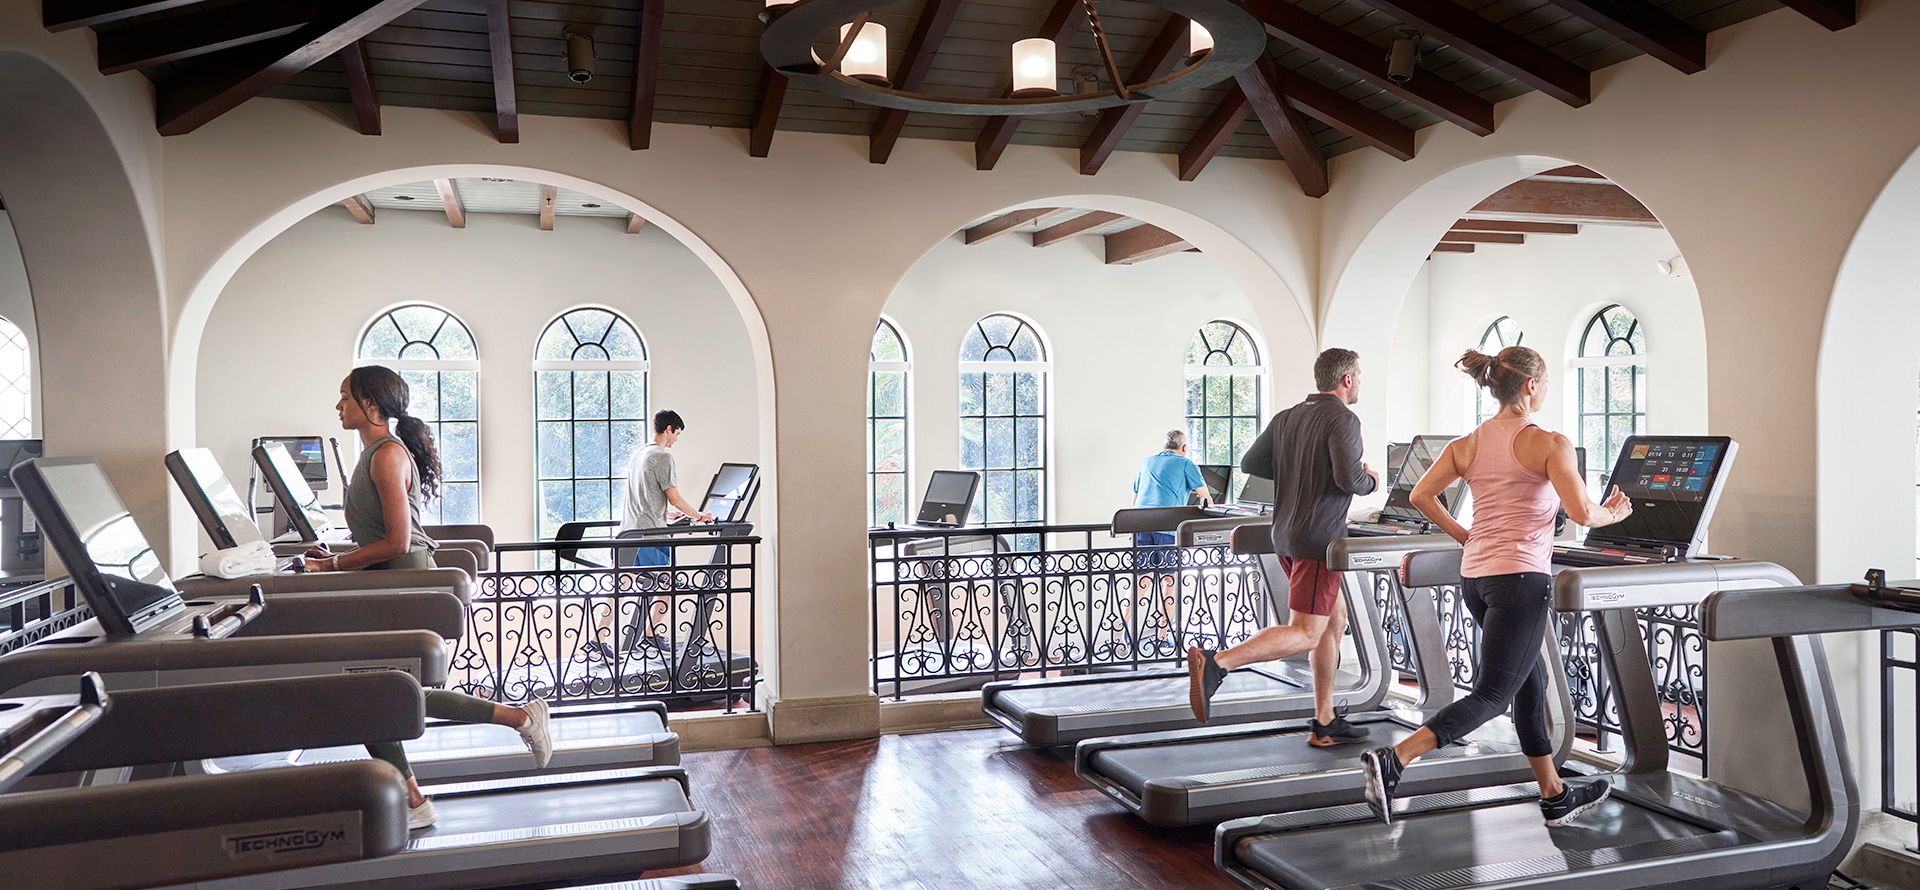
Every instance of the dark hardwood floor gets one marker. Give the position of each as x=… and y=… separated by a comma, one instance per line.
x=935, y=810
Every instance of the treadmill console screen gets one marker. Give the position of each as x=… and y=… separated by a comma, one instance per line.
x=1258, y=490
x=290, y=490
x=1420, y=456
x=1674, y=482
x=111, y=561
x=949, y=497
x=220, y=510
x=1219, y=479
x=309, y=456
x=1396, y=458
x=728, y=495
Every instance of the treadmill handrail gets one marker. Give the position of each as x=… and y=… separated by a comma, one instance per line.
x=1135, y=520
x=1652, y=585
x=1382, y=552
x=1795, y=611
x=189, y=657
x=33, y=752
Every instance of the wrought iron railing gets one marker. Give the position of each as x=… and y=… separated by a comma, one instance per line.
x=33, y=611
x=953, y=608
x=561, y=620
x=1899, y=737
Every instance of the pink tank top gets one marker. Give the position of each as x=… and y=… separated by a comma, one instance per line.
x=1513, y=506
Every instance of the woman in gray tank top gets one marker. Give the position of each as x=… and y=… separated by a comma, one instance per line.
x=391, y=482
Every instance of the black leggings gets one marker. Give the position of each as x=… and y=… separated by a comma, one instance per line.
x=441, y=704
x=1512, y=613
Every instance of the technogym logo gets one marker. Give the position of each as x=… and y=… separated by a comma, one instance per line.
x=1366, y=560
x=288, y=841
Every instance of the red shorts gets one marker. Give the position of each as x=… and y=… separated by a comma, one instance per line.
x=1311, y=586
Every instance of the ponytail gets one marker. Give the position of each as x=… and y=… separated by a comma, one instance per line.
x=1505, y=375
x=389, y=393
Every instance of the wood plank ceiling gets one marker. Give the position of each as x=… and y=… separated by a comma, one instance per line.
x=1320, y=92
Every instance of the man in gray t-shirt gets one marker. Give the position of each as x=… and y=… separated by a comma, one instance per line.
x=653, y=485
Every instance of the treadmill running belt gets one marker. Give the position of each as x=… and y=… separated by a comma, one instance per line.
x=1273, y=754
x=541, y=811
x=1160, y=691
x=1462, y=847
x=630, y=738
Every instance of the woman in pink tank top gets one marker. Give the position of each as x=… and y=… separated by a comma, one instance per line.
x=1519, y=474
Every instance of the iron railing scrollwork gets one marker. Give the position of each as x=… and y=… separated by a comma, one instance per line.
x=573, y=632
x=32, y=611
x=960, y=606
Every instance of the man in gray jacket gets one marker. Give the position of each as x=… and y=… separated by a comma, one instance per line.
x=1312, y=451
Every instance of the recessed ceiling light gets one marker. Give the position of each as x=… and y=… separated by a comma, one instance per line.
x=403, y=197
x=591, y=206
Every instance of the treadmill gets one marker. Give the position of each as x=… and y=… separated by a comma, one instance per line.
x=1213, y=773
x=1659, y=828
x=1400, y=516
x=228, y=524
x=297, y=507
x=1054, y=711
x=555, y=826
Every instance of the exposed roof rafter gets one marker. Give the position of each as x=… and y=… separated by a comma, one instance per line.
x=1647, y=28
x=1832, y=15
x=1166, y=51
x=360, y=208
x=1007, y=222
x=1141, y=243
x=1265, y=86
x=1493, y=45
x=360, y=89
x=646, y=73
x=506, y=109
x=766, y=113
x=1079, y=225
x=922, y=48
x=547, y=194
x=450, y=201
x=1213, y=133
x=1061, y=22
x=200, y=33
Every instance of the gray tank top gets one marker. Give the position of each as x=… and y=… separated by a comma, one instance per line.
x=368, y=523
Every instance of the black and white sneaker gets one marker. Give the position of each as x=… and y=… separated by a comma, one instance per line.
x=1204, y=677
x=1382, y=768
x=1336, y=732
x=1573, y=801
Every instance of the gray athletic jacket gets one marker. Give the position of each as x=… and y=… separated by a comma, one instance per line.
x=1312, y=452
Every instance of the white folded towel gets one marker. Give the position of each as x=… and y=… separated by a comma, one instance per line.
x=251, y=558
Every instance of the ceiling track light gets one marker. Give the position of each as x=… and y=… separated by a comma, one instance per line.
x=1403, y=58
x=579, y=53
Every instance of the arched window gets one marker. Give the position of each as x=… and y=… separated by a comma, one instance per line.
x=16, y=383
x=1003, y=418
x=1612, y=396
x=1502, y=333
x=433, y=350
x=590, y=414
x=1223, y=396
x=887, y=374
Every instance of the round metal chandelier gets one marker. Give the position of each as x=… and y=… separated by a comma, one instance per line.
x=1223, y=39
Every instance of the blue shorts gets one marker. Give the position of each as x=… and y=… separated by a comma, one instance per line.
x=651, y=556
x=1154, y=559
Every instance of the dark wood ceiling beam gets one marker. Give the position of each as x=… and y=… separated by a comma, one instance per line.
x=1507, y=225
x=1594, y=201
x=1079, y=225
x=646, y=73
x=547, y=195
x=450, y=202
x=635, y=222
x=506, y=109
x=922, y=48
x=1648, y=28
x=1517, y=57
x=1457, y=237
x=1573, y=171
x=1262, y=84
x=199, y=33
x=766, y=114
x=1830, y=14
x=360, y=208
x=360, y=89
x=1007, y=222
x=1347, y=116
x=1356, y=56
x=216, y=84
x=1062, y=20
x=1141, y=243
x=1450, y=247
x=1166, y=51
x=1212, y=135
x=64, y=15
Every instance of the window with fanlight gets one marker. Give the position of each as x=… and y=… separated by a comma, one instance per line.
x=889, y=372
x=1611, y=395
x=1223, y=374
x=433, y=350
x=1500, y=334
x=1003, y=418
x=590, y=414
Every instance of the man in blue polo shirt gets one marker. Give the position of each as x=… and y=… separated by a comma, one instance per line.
x=1166, y=479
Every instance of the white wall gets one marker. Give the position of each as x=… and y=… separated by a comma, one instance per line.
x=16, y=304
x=1551, y=285
x=1405, y=379
x=1117, y=337
x=284, y=334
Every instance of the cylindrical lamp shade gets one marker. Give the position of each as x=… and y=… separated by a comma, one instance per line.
x=1199, y=39
x=1033, y=68
x=778, y=5
x=867, y=58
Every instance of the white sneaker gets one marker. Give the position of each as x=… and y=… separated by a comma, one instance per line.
x=535, y=732
x=421, y=816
